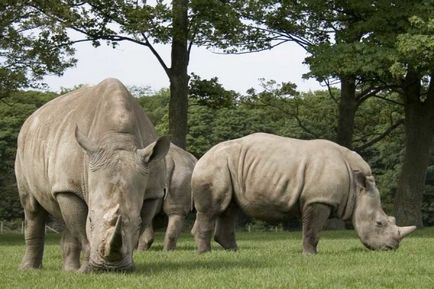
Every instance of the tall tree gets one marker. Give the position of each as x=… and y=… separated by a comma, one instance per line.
x=415, y=71
x=161, y=22
x=30, y=47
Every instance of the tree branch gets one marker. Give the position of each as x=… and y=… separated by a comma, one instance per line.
x=389, y=100
x=380, y=137
x=156, y=54
x=329, y=89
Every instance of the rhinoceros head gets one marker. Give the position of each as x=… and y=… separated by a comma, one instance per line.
x=376, y=230
x=117, y=180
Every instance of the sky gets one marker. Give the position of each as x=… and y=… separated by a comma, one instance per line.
x=135, y=65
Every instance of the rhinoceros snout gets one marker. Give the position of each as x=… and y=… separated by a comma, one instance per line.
x=109, y=267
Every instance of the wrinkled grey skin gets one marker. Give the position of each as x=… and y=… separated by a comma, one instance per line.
x=89, y=158
x=271, y=178
x=177, y=202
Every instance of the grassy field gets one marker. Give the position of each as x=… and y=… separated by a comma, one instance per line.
x=265, y=260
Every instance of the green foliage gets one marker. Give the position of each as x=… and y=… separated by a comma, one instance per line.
x=13, y=112
x=156, y=107
x=210, y=93
x=207, y=127
x=31, y=46
x=265, y=260
x=417, y=45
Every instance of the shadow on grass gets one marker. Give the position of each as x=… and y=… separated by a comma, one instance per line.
x=16, y=239
x=192, y=265
x=156, y=248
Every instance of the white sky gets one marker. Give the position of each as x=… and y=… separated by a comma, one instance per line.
x=135, y=65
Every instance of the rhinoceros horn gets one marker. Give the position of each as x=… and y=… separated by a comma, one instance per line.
x=404, y=231
x=115, y=241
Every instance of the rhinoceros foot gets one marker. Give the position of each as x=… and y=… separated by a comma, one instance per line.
x=29, y=266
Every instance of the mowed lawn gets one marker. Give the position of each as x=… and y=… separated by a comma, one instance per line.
x=265, y=260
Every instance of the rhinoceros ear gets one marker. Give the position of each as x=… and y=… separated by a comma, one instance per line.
x=156, y=150
x=85, y=142
x=359, y=179
x=370, y=183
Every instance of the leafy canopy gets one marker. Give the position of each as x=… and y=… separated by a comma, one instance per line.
x=31, y=46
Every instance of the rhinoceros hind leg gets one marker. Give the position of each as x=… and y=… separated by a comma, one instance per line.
x=202, y=230
x=35, y=217
x=149, y=210
x=174, y=228
x=225, y=228
x=314, y=217
x=74, y=213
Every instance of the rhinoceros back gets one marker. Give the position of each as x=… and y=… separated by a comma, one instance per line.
x=49, y=159
x=273, y=176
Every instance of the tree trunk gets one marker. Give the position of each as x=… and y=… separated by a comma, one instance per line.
x=347, y=112
x=178, y=103
x=419, y=132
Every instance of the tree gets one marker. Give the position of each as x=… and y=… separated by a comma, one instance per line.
x=13, y=112
x=415, y=72
x=31, y=46
x=176, y=23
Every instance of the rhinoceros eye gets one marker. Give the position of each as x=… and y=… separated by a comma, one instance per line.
x=381, y=223
x=91, y=224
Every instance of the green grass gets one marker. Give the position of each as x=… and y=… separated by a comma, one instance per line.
x=265, y=260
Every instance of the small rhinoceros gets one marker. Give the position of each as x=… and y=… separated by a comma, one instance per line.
x=177, y=203
x=271, y=177
x=98, y=179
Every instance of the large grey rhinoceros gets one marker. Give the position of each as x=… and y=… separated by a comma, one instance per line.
x=177, y=203
x=92, y=159
x=271, y=177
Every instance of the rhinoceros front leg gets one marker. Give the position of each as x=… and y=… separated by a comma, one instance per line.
x=146, y=238
x=225, y=228
x=314, y=217
x=149, y=210
x=174, y=228
x=34, y=234
x=71, y=248
x=74, y=240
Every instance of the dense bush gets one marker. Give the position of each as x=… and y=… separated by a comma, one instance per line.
x=276, y=110
x=13, y=111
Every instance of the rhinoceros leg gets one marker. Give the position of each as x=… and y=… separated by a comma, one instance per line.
x=35, y=217
x=74, y=213
x=314, y=217
x=146, y=238
x=174, y=228
x=71, y=251
x=149, y=210
x=225, y=228
x=202, y=230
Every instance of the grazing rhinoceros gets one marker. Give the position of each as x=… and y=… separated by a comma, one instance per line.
x=271, y=177
x=177, y=203
x=91, y=159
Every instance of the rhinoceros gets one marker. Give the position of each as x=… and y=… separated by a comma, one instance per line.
x=177, y=202
x=271, y=178
x=90, y=158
